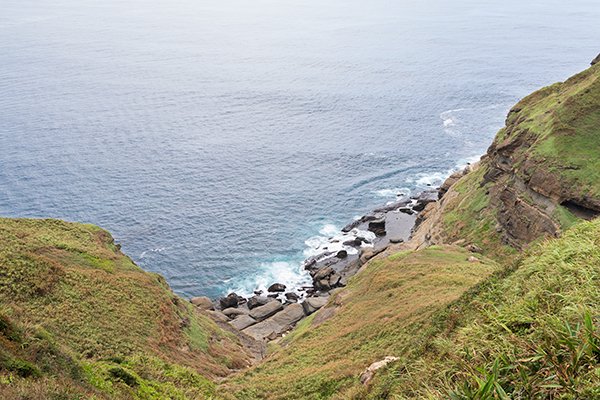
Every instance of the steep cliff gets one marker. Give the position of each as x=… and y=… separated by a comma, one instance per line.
x=540, y=176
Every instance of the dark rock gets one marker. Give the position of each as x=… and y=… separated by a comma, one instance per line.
x=356, y=242
x=596, y=60
x=258, y=292
x=342, y=254
x=277, y=287
x=273, y=296
x=406, y=210
x=378, y=227
x=257, y=301
x=291, y=296
x=232, y=300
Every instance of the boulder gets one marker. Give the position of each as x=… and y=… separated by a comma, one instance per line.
x=406, y=210
x=334, y=279
x=233, y=312
x=218, y=316
x=257, y=301
x=262, y=330
x=291, y=296
x=232, y=300
x=324, y=273
x=262, y=312
x=377, y=227
x=596, y=60
x=289, y=316
x=276, y=325
x=277, y=287
x=312, y=304
x=203, y=303
x=342, y=254
x=242, y=322
x=356, y=242
x=472, y=259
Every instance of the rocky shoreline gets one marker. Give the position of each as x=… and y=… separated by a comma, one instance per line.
x=268, y=316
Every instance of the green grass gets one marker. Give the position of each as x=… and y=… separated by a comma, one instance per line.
x=72, y=304
x=534, y=333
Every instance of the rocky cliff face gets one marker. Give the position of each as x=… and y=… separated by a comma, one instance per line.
x=539, y=176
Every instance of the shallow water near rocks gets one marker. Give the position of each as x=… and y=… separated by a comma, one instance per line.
x=221, y=141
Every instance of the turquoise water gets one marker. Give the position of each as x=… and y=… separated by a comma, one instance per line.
x=219, y=140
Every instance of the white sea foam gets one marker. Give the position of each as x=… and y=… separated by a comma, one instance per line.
x=393, y=192
x=289, y=273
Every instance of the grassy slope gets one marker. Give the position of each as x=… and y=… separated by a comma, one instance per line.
x=86, y=320
x=534, y=333
x=386, y=310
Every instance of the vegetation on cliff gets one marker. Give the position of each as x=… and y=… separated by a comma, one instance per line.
x=78, y=319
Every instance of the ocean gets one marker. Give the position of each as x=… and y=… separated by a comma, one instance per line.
x=222, y=141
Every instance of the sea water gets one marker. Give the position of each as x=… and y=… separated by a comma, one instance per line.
x=222, y=142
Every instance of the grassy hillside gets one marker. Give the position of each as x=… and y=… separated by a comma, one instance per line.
x=80, y=319
x=532, y=334
x=386, y=310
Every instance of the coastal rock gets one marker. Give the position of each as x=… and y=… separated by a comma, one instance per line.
x=378, y=227
x=257, y=301
x=312, y=304
x=334, y=279
x=262, y=312
x=596, y=60
x=324, y=273
x=356, y=242
x=232, y=300
x=289, y=316
x=202, y=302
x=242, y=322
x=233, y=312
x=406, y=210
x=277, y=287
x=291, y=296
x=262, y=330
x=218, y=316
x=276, y=325
x=342, y=254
